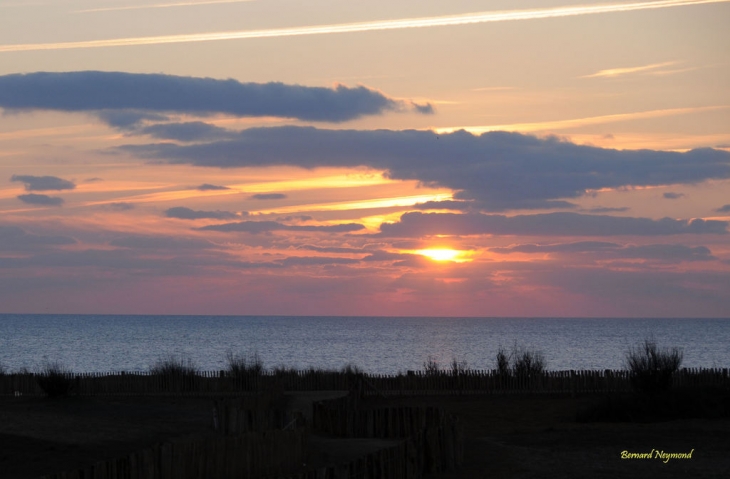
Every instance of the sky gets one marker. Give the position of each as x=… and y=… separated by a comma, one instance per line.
x=414, y=158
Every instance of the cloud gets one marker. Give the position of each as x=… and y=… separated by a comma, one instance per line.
x=659, y=252
x=183, y=213
x=315, y=261
x=121, y=206
x=330, y=249
x=615, y=72
x=13, y=237
x=42, y=200
x=723, y=209
x=421, y=22
x=268, y=196
x=189, y=131
x=605, y=209
x=125, y=99
x=673, y=196
x=209, y=187
x=255, y=227
x=417, y=224
x=123, y=119
x=43, y=183
x=160, y=242
x=496, y=171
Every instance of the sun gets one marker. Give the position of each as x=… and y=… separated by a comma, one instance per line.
x=443, y=254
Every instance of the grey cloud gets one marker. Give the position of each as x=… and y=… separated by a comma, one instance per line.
x=268, y=196
x=659, y=252
x=673, y=196
x=418, y=224
x=180, y=212
x=496, y=170
x=723, y=209
x=42, y=200
x=268, y=226
x=189, y=131
x=330, y=249
x=133, y=93
x=445, y=205
x=160, y=242
x=43, y=183
x=577, y=247
x=606, y=209
x=121, y=206
x=209, y=187
x=296, y=217
x=13, y=237
x=426, y=109
x=126, y=119
x=315, y=261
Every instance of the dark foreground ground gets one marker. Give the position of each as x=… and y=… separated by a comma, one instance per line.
x=506, y=437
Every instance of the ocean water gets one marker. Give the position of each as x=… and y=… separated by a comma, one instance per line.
x=385, y=345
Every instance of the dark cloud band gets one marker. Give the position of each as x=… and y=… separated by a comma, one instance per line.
x=130, y=97
x=494, y=171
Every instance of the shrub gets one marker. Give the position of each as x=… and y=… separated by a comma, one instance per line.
x=240, y=365
x=54, y=379
x=174, y=366
x=520, y=362
x=503, y=362
x=350, y=369
x=651, y=368
x=458, y=367
x=431, y=366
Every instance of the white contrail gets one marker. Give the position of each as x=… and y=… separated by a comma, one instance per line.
x=614, y=72
x=445, y=20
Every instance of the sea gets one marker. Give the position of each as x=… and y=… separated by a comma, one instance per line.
x=378, y=345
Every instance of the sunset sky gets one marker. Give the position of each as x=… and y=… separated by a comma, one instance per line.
x=331, y=157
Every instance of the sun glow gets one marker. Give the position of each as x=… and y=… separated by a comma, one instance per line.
x=445, y=254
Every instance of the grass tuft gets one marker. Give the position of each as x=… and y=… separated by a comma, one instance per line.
x=172, y=365
x=54, y=379
x=240, y=365
x=651, y=368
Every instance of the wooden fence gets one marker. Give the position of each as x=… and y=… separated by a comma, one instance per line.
x=268, y=454
x=434, y=437
x=218, y=383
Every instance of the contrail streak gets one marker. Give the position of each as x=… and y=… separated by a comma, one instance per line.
x=445, y=20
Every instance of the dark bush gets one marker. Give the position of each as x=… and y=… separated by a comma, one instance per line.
x=651, y=368
x=54, y=379
x=458, y=367
x=174, y=366
x=521, y=362
x=431, y=366
x=240, y=365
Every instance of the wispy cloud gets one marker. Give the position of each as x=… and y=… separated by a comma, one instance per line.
x=580, y=122
x=160, y=5
x=615, y=72
x=423, y=22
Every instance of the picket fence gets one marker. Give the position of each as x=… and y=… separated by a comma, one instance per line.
x=268, y=454
x=221, y=384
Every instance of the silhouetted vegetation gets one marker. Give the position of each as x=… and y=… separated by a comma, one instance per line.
x=520, y=362
x=351, y=370
x=431, y=366
x=174, y=366
x=652, y=368
x=54, y=379
x=240, y=365
x=458, y=367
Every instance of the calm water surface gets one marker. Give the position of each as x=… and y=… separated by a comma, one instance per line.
x=87, y=343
